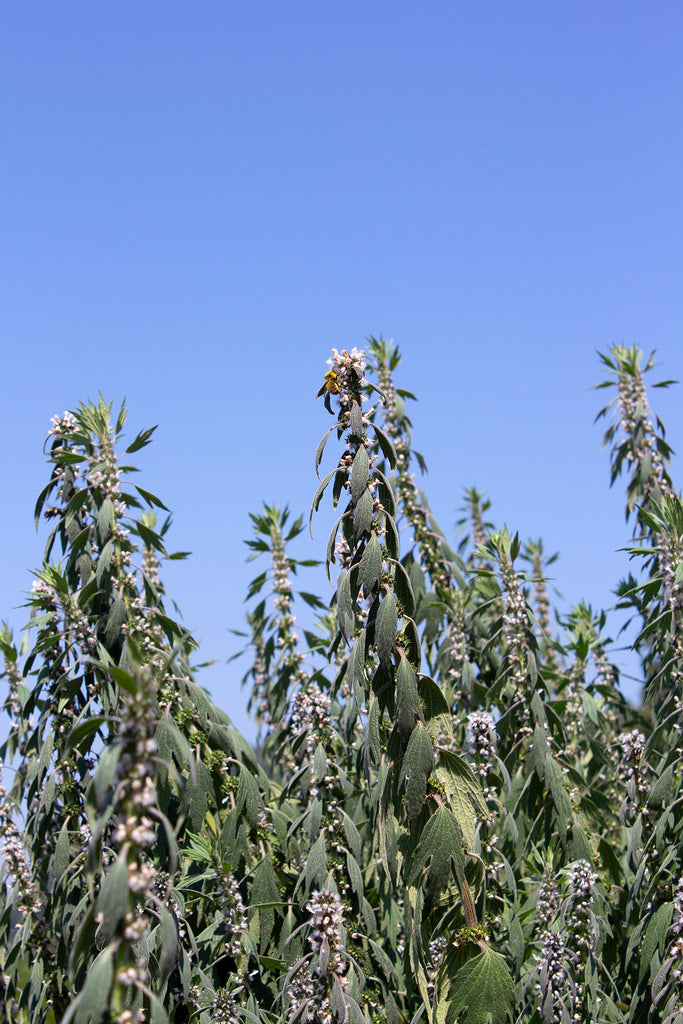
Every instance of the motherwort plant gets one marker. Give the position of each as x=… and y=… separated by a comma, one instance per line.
x=451, y=815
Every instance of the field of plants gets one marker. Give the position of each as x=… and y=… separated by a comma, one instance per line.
x=451, y=813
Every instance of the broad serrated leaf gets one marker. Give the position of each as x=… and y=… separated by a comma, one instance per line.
x=484, y=988
x=385, y=629
x=411, y=641
x=200, y=795
x=248, y=796
x=416, y=768
x=370, y=568
x=403, y=588
x=391, y=536
x=363, y=515
x=355, y=668
x=439, y=852
x=464, y=793
x=264, y=890
x=409, y=709
x=437, y=713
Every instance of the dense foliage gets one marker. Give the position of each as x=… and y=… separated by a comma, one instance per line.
x=451, y=813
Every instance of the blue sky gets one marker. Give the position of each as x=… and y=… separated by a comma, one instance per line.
x=200, y=200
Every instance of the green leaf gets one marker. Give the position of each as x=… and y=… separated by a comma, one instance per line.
x=92, y=1005
x=409, y=709
x=167, y=935
x=170, y=741
x=439, y=852
x=555, y=780
x=200, y=795
x=437, y=713
x=62, y=853
x=149, y=538
x=315, y=868
x=322, y=486
x=386, y=446
x=418, y=762
x=483, y=986
x=359, y=473
x=411, y=639
x=356, y=420
x=403, y=588
x=248, y=795
x=143, y=439
x=116, y=618
x=346, y=608
x=112, y=900
x=105, y=521
x=385, y=629
x=363, y=515
x=370, y=568
x=355, y=668
x=464, y=793
x=391, y=536
x=150, y=498
x=655, y=937
x=321, y=448
x=660, y=794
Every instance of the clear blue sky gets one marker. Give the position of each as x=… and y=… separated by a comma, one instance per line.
x=199, y=200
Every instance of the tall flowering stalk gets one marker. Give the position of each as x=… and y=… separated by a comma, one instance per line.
x=425, y=804
x=278, y=670
x=120, y=975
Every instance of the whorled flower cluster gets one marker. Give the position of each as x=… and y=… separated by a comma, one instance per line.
x=311, y=715
x=633, y=770
x=555, y=984
x=309, y=991
x=234, y=914
x=61, y=425
x=14, y=679
x=637, y=426
x=14, y=855
x=225, y=1008
x=287, y=638
x=515, y=622
x=136, y=796
x=577, y=910
x=675, y=933
x=564, y=954
x=547, y=900
x=348, y=374
x=481, y=735
x=456, y=648
x=437, y=948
